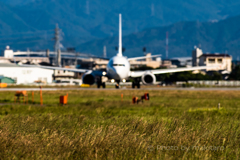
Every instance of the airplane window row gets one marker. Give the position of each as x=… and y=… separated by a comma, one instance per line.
x=118, y=64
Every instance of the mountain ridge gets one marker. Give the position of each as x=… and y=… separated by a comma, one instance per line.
x=222, y=36
x=86, y=20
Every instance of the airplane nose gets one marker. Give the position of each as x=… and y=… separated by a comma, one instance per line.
x=119, y=72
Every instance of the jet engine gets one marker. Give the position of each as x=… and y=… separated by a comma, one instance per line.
x=148, y=78
x=88, y=78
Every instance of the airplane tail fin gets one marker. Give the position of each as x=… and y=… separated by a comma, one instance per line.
x=120, y=36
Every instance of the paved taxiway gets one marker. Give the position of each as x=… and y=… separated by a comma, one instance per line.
x=95, y=89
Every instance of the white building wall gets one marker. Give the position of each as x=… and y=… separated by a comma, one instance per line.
x=8, y=54
x=63, y=73
x=196, y=54
x=226, y=63
x=25, y=75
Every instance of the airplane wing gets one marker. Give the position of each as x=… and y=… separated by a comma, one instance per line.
x=162, y=71
x=95, y=72
x=144, y=57
x=58, y=68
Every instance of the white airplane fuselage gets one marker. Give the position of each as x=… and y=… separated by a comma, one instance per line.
x=118, y=68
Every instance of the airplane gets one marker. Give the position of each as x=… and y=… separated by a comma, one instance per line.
x=118, y=69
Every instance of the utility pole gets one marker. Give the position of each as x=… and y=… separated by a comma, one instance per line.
x=144, y=51
x=166, y=45
x=105, y=52
x=47, y=53
x=28, y=52
x=59, y=57
x=76, y=59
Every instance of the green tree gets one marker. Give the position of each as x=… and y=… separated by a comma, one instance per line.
x=235, y=74
x=216, y=76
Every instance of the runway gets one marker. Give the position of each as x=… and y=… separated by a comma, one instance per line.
x=111, y=89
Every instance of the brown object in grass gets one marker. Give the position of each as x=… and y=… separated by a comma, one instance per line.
x=22, y=94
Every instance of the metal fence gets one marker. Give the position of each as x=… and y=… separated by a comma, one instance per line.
x=212, y=83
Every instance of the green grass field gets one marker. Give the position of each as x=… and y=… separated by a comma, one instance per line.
x=98, y=125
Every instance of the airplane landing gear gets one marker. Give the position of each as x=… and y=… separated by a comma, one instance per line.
x=136, y=83
x=103, y=85
x=117, y=85
x=100, y=83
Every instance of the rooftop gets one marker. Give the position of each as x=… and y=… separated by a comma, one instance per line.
x=181, y=58
x=216, y=55
x=8, y=65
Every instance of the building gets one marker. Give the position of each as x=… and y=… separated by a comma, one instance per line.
x=59, y=74
x=8, y=53
x=196, y=54
x=26, y=75
x=148, y=61
x=167, y=64
x=221, y=60
x=69, y=58
x=66, y=58
x=6, y=80
x=182, y=61
x=9, y=56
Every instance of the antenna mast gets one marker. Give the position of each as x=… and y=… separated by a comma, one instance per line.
x=105, y=52
x=58, y=38
x=58, y=45
x=166, y=45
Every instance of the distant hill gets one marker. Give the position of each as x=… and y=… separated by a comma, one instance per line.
x=222, y=36
x=30, y=23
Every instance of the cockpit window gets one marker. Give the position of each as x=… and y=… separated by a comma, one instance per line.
x=119, y=65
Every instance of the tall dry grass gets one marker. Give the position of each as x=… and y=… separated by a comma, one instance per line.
x=97, y=125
